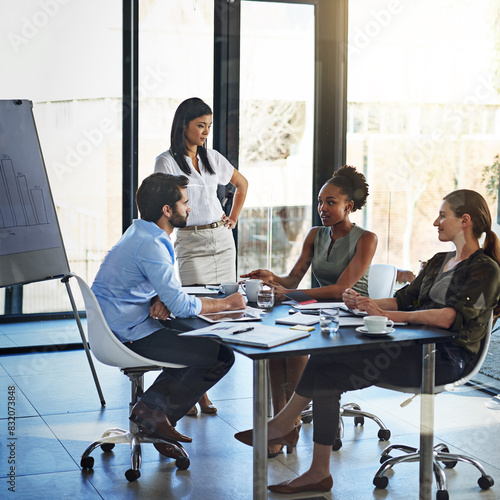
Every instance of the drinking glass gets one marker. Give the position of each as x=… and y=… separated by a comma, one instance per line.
x=265, y=298
x=329, y=320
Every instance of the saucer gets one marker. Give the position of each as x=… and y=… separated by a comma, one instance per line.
x=364, y=331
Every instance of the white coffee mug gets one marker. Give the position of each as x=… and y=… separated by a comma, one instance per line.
x=252, y=288
x=229, y=287
x=377, y=324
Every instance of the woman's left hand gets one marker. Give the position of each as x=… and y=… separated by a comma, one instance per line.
x=229, y=223
x=368, y=305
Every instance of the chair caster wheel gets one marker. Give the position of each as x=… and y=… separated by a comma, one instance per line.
x=107, y=447
x=132, y=475
x=359, y=421
x=182, y=463
x=337, y=445
x=449, y=464
x=87, y=463
x=380, y=482
x=307, y=420
x=485, y=482
x=384, y=434
x=442, y=495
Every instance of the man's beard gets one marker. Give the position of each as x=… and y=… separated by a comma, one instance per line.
x=178, y=220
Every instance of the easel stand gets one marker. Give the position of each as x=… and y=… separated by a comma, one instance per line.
x=65, y=280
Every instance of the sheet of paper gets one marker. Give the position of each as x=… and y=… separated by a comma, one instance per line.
x=195, y=290
x=320, y=305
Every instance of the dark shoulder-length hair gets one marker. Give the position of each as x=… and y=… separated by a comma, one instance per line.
x=187, y=111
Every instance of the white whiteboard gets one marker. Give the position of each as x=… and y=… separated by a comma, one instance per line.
x=31, y=245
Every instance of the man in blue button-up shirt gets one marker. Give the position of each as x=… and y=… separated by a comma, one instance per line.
x=136, y=280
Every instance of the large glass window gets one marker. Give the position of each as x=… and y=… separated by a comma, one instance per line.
x=66, y=58
x=276, y=132
x=423, y=114
x=176, y=60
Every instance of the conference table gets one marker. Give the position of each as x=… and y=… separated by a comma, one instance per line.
x=347, y=340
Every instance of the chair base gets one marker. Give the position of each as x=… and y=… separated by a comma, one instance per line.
x=351, y=410
x=116, y=435
x=134, y=435
x=442, y=457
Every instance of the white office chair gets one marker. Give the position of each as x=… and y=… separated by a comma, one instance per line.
x=441, y=451
x=106, y=347
x=381, y=281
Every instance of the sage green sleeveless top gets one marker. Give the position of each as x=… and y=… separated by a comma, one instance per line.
x=328, y=268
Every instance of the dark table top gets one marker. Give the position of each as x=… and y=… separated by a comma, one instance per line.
x=347, y=339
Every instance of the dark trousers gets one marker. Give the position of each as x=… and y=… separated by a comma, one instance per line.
x=326, y=377
x=176, y=390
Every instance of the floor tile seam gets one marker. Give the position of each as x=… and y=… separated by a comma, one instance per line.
x=52, y=374
x=61, y=443
x=39, y=474
x=82, y=412
x=18, y=387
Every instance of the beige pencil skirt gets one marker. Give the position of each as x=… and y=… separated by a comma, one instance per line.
x=205, y=256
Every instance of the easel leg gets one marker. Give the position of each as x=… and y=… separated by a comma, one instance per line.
x=65, y=280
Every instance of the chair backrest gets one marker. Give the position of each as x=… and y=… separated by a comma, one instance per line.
x=381, y=281
x=470, y=371
x=104, y=344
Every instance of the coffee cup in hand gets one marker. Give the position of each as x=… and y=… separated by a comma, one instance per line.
x=377, y=324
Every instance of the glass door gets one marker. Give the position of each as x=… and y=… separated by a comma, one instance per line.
x=276, y=132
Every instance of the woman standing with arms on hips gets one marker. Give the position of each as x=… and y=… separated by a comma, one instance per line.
x=340, y=254
x=456, y=290
x=205, y=249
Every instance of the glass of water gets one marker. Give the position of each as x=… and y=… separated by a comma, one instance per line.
x=329, y=320
x=265, y=298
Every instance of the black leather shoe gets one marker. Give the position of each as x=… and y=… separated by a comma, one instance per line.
x=155, y=423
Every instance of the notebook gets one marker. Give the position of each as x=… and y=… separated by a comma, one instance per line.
x=298, y=319
x=251, y=334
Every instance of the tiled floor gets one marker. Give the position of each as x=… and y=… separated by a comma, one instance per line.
x=58, y=414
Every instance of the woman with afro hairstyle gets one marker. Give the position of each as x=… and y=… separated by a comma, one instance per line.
x=339, y=253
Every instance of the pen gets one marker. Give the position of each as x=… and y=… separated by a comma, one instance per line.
x=243, y=331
